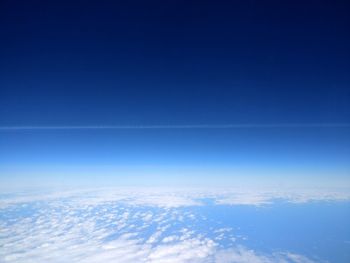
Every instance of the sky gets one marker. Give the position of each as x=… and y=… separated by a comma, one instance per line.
x=245, y=92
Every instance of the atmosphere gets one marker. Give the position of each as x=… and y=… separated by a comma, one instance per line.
x=241, y=84
x=175, y=111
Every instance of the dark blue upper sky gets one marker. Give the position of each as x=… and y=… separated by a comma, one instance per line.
x=174, y=62
x=84, y=62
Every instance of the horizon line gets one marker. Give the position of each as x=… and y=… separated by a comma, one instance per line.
x=179, y=126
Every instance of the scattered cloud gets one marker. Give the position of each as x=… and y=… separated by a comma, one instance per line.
x=91, y=227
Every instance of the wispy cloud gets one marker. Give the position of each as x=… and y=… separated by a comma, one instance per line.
x=179, y=197
x=181, y=126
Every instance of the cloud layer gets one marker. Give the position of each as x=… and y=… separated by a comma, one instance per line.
x=125, y=226
x=169, y=198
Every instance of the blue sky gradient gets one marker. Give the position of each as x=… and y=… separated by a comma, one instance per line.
x=175, y=63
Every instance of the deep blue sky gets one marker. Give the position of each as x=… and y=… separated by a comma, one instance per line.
x=175, y=62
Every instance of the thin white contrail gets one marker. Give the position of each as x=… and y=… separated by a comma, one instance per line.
x=181, y=126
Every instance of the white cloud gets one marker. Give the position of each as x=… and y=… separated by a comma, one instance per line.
x=118, y=226
x=188, y=250
x=176, y=198
x=170, y=239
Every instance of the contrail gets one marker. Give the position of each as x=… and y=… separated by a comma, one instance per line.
x=181, y=126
